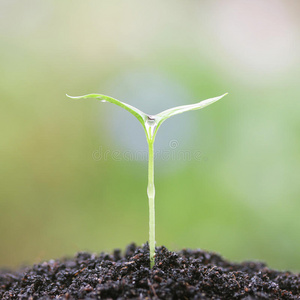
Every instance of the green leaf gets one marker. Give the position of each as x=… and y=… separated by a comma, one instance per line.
x=164, y=115
x=142, y=117
x=149, y=122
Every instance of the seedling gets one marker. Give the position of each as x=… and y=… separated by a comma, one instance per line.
x=151, y=123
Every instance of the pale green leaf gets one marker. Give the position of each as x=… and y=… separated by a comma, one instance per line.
x=151, y=123
x=164, y=115
x=142, y=117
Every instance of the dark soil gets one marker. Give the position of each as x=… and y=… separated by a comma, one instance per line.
x=187, y=274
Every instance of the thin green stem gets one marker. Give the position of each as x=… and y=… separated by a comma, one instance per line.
x=151, y=196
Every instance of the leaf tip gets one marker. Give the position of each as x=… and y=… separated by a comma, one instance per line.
x=73, y=97
x=223, y=95
x=220, y=97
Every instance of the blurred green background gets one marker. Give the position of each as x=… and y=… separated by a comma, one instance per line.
x=60, y=195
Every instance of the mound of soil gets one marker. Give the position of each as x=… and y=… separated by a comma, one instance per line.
x=187, y=274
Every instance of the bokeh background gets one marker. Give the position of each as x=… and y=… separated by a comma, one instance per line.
x=60, y=194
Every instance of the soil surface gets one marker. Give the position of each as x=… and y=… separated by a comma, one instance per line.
x=188, y=274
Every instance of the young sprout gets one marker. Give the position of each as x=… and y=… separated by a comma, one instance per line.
x=151, y=123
